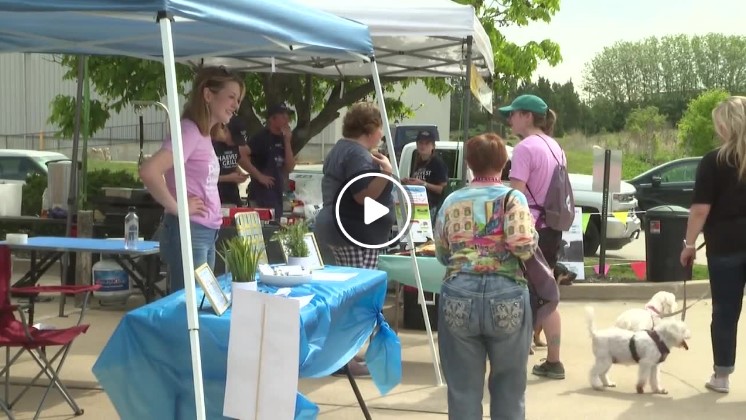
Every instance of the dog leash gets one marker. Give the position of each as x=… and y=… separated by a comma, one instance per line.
x=683, y=310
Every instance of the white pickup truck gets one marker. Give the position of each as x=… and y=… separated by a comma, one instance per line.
x=308, y=181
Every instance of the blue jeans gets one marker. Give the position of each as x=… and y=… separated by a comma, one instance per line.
x=727, y=281
x=203, y=249
x=484, y=317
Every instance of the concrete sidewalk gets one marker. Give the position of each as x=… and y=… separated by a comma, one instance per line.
x=417, y=397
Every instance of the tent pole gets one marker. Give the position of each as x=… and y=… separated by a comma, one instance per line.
x=467, y=101
x=397, y=175
x=72, y=196
x=169, y=64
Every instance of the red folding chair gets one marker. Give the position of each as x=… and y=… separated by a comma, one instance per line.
x=23, y=338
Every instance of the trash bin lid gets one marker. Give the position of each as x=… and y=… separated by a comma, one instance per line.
x=668, y=211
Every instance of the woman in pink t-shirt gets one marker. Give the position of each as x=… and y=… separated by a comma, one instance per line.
x=214, y=99
x=533, y=162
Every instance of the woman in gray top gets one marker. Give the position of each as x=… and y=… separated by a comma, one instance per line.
x=352, y=156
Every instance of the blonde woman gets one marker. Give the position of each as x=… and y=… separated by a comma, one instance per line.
x=719, y=210
x=213, y=101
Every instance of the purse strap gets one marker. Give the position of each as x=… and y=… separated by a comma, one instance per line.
x=506, y=198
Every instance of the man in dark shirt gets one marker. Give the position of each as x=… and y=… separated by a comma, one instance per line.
x=271, y=160
x=429, y=171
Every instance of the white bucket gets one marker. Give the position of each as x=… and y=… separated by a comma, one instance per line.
x=11, y=193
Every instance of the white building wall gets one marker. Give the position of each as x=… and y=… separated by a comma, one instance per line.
x=428, y=109
x=29, y=83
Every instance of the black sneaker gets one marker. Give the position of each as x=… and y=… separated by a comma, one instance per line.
x=551, y=370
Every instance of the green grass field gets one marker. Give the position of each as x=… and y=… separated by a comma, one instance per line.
x=623, y=273
x=114, y=166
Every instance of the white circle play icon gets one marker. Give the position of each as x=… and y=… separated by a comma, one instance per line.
x=374, y=210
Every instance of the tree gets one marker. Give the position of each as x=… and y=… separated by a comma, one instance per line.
x=317, y=101
x=645, y=125
x=561, y=98
x=696, y=132
x=667, y=72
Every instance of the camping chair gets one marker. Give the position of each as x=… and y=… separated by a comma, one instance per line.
x=24, y=338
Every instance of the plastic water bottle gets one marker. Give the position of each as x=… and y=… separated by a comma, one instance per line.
x=131, y=229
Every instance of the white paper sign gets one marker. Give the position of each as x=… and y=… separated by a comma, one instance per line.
x=571, y=248
x=421, y=227
x=263, y=353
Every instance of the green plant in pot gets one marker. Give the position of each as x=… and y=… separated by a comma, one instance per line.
x=241, y=259
x=292, y=238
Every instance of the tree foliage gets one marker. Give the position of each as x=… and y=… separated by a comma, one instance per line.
x=516, y=63
x=645, y=125
x=666, y=72
x=63, y=115
x=317, y=101
x=561, y=98
x=696, y=131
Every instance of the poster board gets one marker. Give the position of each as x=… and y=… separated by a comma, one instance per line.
x=571, y=247
x=261, y=382
x=211, y=287
x=249, y=225
x=615, y=170
x=421, y=222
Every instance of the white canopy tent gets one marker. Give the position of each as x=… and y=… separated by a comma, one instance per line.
x=411, y=38
x=178, y=29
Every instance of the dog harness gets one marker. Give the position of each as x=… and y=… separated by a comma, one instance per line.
x=662, y=348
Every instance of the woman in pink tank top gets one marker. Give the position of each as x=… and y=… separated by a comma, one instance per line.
x=532, y=165
x=214, y=99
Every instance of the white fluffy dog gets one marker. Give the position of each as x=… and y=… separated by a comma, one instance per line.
x=661, y=304
x=648, y=349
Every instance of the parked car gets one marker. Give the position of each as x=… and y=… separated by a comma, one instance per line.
x=670, y=183
x=17, y=164
x=308, y=179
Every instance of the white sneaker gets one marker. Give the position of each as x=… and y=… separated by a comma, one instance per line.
x=716, y=384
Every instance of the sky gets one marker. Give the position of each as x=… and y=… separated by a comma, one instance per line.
x=582, y=28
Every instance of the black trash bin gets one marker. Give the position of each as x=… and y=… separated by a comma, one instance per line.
x=413, y=319
x=665, y=230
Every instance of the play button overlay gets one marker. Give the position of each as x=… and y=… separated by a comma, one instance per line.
x=372, y=212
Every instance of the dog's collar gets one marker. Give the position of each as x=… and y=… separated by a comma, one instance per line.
x=662, y=348
x=651, y=308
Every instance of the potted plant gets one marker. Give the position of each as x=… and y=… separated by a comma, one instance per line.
x=241, y=259
x=292, y=239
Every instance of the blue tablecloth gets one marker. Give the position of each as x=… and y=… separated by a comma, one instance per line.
x=146, y=368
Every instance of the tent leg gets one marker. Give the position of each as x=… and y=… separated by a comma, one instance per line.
x=415, y=267
x=467, y=101
x=169, y=64
x=72, y=197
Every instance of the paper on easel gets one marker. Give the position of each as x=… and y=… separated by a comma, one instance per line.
x=263, y=353
x=421, y=224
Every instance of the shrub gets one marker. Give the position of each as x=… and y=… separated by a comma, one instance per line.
x=696, y=132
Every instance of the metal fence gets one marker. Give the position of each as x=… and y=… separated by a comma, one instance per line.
x=122, y=141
